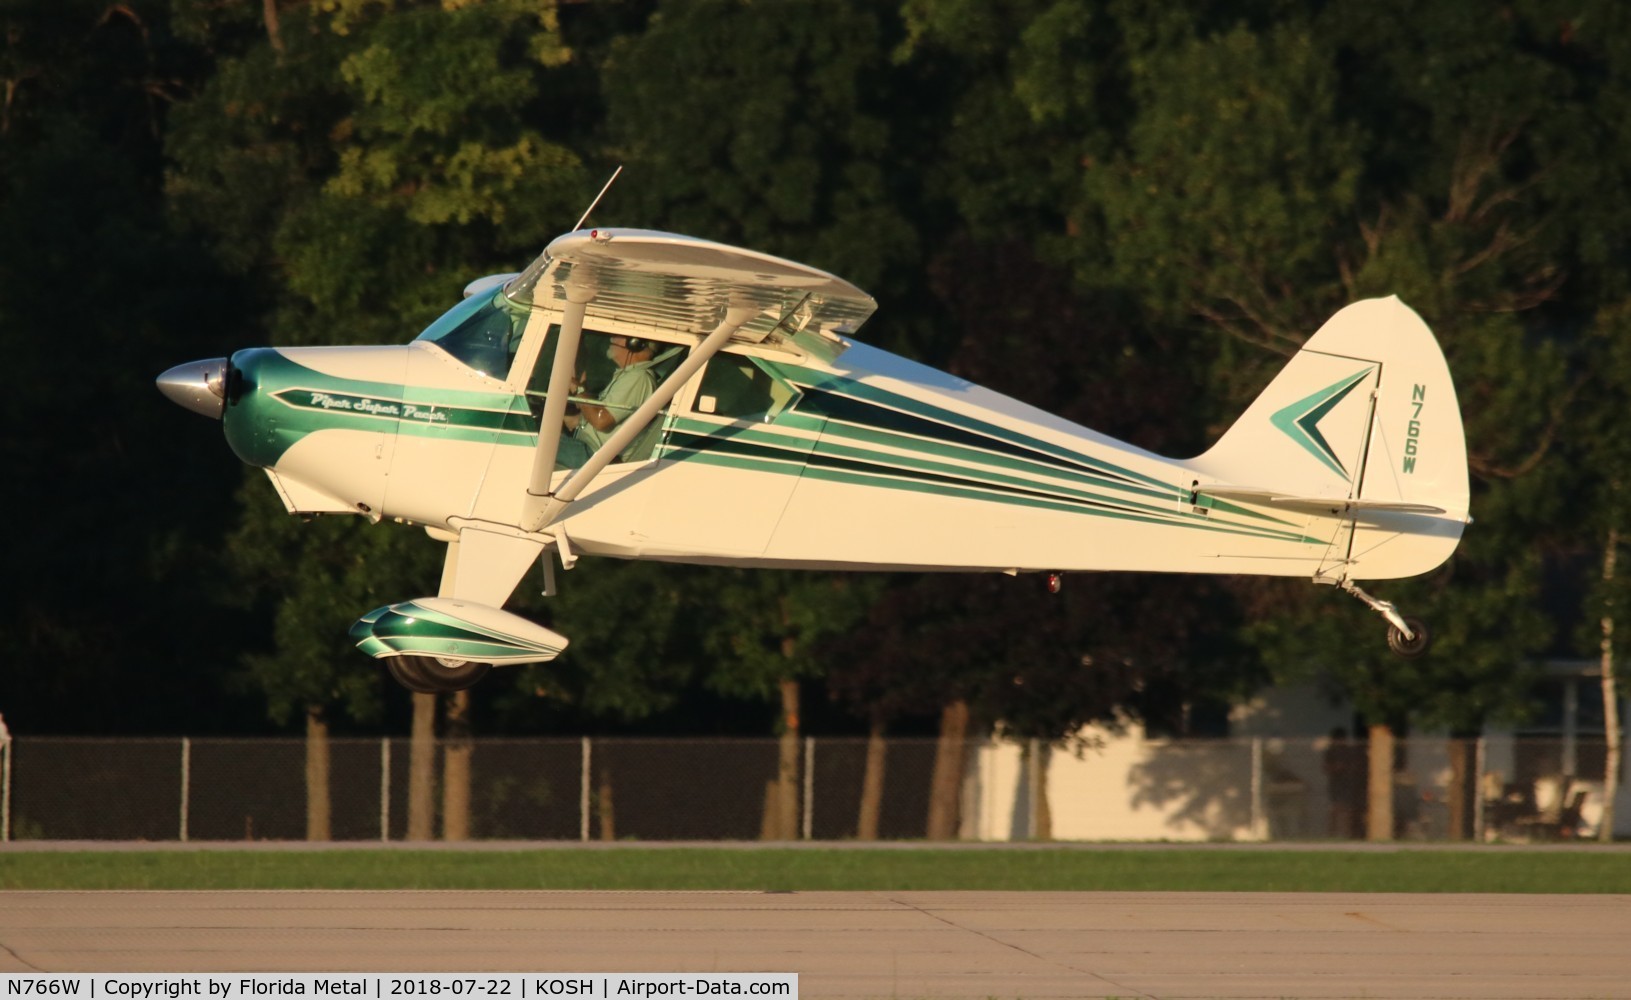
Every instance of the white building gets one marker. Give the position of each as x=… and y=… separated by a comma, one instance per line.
x=1278, y=776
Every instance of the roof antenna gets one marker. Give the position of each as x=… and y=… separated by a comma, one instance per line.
x=599, y=196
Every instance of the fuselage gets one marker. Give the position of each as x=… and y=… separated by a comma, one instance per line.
x=829, y=455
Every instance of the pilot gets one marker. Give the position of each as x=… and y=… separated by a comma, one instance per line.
x=632, y=384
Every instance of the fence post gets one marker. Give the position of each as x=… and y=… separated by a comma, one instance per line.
x=1571, y=735
x=186, y=782
x=1260, y=827
x=385, y=789
x=1033, y=786
x=5, y=789
x=1478, y=791
x=583, y=794
x=809, y=786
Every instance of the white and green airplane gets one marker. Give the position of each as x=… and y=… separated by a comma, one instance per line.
x=644, y=395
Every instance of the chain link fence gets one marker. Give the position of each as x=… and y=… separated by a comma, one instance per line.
x=816, y=789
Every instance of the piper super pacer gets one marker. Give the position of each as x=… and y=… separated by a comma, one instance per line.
x=644, y=395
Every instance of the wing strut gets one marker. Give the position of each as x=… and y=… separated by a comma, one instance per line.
x=542, y=507
x=560, y=377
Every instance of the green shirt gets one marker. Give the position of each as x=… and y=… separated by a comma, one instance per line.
x=631, y=386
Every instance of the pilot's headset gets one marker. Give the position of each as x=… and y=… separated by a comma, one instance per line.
x=635, y=345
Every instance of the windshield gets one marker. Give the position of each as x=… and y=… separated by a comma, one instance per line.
x=483, y=331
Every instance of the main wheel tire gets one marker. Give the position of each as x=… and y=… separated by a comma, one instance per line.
x=1409, y=648
x=426, y=675
x=406, y=675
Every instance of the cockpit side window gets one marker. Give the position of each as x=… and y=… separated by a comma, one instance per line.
x=595, y=360
x=734, y=386
x=613, y=374
x=483, y=332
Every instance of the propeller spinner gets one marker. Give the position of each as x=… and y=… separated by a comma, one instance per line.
x=200, y=386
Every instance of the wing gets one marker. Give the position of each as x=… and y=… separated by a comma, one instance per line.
x=684, y=284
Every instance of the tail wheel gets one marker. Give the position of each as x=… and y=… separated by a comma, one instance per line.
x=1412, y=647
x=426, y=675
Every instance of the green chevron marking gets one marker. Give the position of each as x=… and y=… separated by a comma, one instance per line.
x=1300, y=421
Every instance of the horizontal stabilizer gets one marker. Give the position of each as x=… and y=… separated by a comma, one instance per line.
x=451, y=629
x=1276, y=498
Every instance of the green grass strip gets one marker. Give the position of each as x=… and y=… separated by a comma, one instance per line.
x=1164, y=869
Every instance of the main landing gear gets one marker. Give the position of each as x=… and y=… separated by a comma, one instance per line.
x=428, y=675
x=1407, y=637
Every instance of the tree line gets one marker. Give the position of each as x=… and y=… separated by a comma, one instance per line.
x=1128, y=215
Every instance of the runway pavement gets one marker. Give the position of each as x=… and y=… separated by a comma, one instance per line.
x=904, y=945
